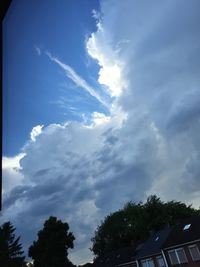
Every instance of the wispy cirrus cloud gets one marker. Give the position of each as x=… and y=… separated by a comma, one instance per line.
x=78, y=80
x=38, y=50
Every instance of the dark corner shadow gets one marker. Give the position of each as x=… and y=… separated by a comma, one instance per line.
x=4, y=5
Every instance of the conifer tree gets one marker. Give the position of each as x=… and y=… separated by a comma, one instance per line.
x=11, y=253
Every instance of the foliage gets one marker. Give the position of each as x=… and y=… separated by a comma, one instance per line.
x=51, y=248
x=136, y=221
x=10, y=248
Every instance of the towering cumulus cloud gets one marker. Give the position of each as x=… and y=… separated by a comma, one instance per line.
x=149, y=63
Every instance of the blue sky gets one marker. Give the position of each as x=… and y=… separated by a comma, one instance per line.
x=33, y=85
x=101, y=107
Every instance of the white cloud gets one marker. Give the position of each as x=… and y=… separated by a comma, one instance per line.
x=99, y=119
x=12, y=162
x=110, y=73
x=12, y=176
x=96, y=15
x=36, y=131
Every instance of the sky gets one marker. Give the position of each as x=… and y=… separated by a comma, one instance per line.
x=101, y=105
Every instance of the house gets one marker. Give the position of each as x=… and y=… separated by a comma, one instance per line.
x=182, y=247
x=151, y=255
x=123, y=257
x=173, y=246
x=130, y=260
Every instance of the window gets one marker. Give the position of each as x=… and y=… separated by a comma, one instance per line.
x=181, y=255
x=160, y=261
x=177, y=256
x=194, y=252
x=173, y=257
x=147, y=263
x=187, y=226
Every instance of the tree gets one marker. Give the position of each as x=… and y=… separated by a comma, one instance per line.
x=51, y=248
x=10, y=248
x=136, y=221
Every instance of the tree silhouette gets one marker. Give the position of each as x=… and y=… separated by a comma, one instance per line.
x=10, y=248
x=51, y=248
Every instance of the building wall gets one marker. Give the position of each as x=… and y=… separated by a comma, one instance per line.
x=190, y=262
x=133, y=264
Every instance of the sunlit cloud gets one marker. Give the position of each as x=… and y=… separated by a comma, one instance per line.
x=35, y=132
x=11, y=174
x=98, y=119
x=111, y=67
x=12, y=162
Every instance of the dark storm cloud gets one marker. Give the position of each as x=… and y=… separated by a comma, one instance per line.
x=186, y=113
